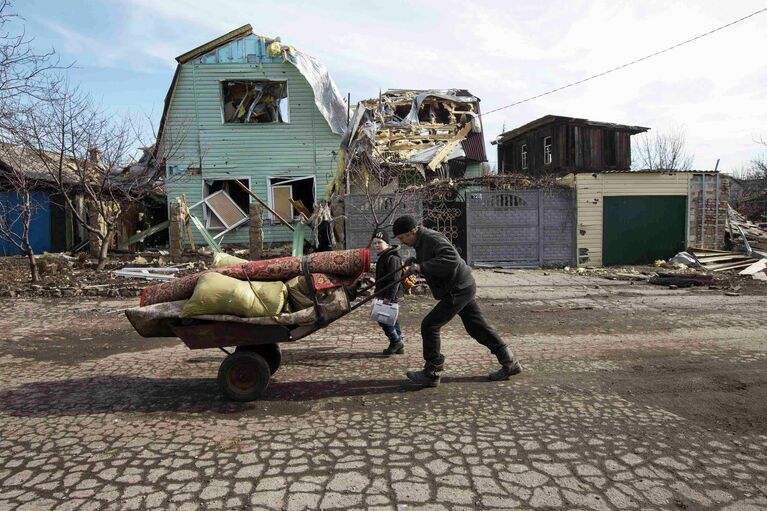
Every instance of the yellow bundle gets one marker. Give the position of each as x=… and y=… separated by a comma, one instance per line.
x=223, y=259
x=219, y=294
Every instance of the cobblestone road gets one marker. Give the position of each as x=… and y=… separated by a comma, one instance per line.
x=634, y=398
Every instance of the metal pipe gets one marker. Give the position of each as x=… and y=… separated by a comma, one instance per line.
x=716, y=215
x=703, y=211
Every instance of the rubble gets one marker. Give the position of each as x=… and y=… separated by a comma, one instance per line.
x=746, y=233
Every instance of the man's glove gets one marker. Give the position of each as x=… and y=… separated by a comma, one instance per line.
x=414, y=268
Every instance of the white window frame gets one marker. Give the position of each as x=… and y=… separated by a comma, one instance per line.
x=524, y=156
x=287, y=181
x=286, y=118
x=547, y=150
x=205, y=212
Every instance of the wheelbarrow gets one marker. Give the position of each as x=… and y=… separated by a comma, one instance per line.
x=245, y=372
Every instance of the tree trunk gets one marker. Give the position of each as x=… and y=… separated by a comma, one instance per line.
x=32, y=265
x=104, y=250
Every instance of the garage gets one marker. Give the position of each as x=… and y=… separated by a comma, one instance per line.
x=641, y=229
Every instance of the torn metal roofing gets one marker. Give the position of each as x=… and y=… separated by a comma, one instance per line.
x=327, y=97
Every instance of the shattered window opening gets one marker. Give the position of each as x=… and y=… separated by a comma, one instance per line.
x=547, y=150
x=255, y=101
x=238, y=195
x=524, y=156
x=284, y=189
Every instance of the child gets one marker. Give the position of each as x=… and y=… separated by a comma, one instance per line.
x=389, y=261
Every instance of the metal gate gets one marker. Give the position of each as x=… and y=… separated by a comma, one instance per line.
x=522, y=228
x=360, y=221
x=449, y=218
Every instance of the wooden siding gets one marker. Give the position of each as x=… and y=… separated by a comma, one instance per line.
x=303, y=147
x=574, y=148
x=592, y=188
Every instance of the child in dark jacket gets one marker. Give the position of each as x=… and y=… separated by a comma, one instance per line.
x=388, y=271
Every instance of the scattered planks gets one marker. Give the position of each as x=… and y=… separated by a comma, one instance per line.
x=720, y=260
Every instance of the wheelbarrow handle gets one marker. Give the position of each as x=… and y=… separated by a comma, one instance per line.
x=373, y=296
x=363, y=289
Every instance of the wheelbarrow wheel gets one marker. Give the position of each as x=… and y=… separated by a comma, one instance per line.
x=271, y=353
x=243, y=376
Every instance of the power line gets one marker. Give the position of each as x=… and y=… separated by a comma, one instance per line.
x=626, y=64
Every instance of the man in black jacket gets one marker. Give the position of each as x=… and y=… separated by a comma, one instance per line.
x=452, y=283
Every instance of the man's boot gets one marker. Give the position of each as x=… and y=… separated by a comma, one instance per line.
x=509, y=365
x=429, y=377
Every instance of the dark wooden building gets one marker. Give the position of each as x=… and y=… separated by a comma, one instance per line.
x=555, y=144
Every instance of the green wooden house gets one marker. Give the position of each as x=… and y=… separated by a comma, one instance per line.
x=249, y=108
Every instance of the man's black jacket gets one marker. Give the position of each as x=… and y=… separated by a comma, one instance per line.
x=388, y=261
x=440, y=263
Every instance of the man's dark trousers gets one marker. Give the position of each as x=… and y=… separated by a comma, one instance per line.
x=463, y=303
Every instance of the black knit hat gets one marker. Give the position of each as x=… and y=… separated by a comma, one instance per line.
x=381, y=234
x=404, y=224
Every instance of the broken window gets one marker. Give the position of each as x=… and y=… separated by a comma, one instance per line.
x=547, y=150
x=255, y=101
x=524, y=156
x=226, y=213
x=284, y=192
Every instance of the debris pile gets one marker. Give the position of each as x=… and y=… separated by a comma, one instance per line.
x=414, y=136
x=748, y=234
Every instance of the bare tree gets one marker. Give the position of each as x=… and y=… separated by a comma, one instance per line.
x=16, y=216
x=23, y=80
x=382, y=184
x=751, y=200
x=661, y=151
x=84, y=151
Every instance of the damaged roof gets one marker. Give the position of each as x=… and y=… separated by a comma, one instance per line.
x=327, y=97
x=35, y=166
x=414, y=125
x=549, y=119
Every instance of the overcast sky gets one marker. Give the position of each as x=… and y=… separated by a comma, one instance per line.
x=502, y=51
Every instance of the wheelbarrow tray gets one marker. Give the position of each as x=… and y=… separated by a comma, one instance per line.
x=222, y=330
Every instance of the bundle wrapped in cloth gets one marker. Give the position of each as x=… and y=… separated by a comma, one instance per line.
x=219, y=294
x=328, y=270
x=271, y=292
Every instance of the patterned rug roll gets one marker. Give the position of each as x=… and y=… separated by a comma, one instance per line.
x=328, y=269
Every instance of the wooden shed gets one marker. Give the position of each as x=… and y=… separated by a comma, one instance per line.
x=555, y=144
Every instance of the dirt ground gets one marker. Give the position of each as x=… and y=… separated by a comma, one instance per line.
x=634, y=396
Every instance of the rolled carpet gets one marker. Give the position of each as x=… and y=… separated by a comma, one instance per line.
x=328, y=269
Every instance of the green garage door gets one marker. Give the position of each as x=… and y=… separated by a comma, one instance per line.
x=641, y=229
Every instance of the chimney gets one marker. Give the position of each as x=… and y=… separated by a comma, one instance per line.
x=94, y=157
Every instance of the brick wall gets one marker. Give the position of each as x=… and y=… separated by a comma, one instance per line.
x=707, y=210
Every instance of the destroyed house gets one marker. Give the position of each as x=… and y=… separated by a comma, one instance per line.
x=248, y=108
x=556, y=144
x=417, y=136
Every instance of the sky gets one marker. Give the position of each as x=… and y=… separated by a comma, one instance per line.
x=503, y=51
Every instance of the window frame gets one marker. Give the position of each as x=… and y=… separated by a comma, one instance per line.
x=547, y=151
x=240, y=79
x=523, y=156
x=206, y=214
x=287, y=180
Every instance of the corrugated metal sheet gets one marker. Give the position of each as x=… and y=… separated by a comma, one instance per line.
x=474, y=147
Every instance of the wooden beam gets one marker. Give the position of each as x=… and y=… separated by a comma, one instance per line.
x=186, y=221
x=144, y=234
x=264, y=204
x=443, y=153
